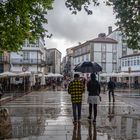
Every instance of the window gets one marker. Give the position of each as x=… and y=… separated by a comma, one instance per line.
x=25, y=55
x=138, y=62
x=122, y=63
x=132, y=62
x=135, y=62
x=78, y=59
x=114, y=56
x=82, y=57
x=104, y=67
x=103, y=56
x=114, y=66
x=114, y=47
x=103, y=45
x=128, y=63
x=87, y=57
x=125, y=62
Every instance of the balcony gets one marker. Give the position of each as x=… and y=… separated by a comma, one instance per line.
x=4, y=59
x=28, y=62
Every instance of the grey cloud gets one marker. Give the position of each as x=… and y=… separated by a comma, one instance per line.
x=78, y=28
x=81, y=26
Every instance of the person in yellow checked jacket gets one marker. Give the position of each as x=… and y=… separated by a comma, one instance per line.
x=76, y=89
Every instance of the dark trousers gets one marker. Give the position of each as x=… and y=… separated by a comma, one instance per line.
x=76, y=110
x=94, y=106
x=111, y=92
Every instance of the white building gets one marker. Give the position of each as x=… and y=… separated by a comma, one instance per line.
x=30, y=58
x=102, y=50
x=130, y=62
x=122, y=48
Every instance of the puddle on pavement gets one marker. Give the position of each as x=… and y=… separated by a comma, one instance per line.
x=53, y=121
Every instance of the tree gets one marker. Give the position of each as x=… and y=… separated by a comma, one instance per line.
x=25, y=19
x=20, y=20
x=127, y=15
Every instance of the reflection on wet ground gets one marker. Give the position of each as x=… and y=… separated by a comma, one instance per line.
x=48, y=116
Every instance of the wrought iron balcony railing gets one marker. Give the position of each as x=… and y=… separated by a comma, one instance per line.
x=28, y=61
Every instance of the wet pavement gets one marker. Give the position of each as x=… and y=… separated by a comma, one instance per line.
x=47, y=115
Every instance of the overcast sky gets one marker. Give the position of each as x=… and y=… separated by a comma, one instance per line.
x=68, y=29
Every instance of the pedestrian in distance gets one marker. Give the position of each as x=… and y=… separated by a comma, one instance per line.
x=93, y=88
x=76, y=89
x=111, y=87
x=1, y=91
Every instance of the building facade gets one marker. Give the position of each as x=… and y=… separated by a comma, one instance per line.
x=102, y=50
x=68, y=63
x=4, y=62
x=53, y=60
x=30, y=58
x=122, y=47
x=130, y=63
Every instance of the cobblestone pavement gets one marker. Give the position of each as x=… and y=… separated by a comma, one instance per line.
x=47, y=115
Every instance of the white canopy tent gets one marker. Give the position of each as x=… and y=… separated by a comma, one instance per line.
x=121, y=74
x=58, y=75
x=27, y=73
x=109, y=74
x=7, y=74
x=134, y=74
x=53, y=75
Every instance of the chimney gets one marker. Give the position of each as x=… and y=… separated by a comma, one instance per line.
x=102, y=35
x=109, y=29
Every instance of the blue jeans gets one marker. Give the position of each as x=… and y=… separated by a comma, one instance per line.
x=76, y=110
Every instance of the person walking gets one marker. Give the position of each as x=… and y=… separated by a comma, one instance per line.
x=76, y=89
x=93, y=88
x=1, y=91
x=111, y=87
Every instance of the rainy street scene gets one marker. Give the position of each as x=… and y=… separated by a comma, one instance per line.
x=69, y=70
x=47, y=115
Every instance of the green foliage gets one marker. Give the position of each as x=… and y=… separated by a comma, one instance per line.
x=21, y=19
x=127, y=15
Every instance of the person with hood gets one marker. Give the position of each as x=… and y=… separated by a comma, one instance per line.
x=93, y=88
x=76, y=89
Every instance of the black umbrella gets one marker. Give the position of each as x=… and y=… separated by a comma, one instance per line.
x=88, y=67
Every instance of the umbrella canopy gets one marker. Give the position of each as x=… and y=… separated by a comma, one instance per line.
x=88, y=67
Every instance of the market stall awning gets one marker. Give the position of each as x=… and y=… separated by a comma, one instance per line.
x=120, y=74
x=53, y=75
x=7, y=74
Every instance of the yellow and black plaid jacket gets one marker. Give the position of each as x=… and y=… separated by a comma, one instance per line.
x=76, y=89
